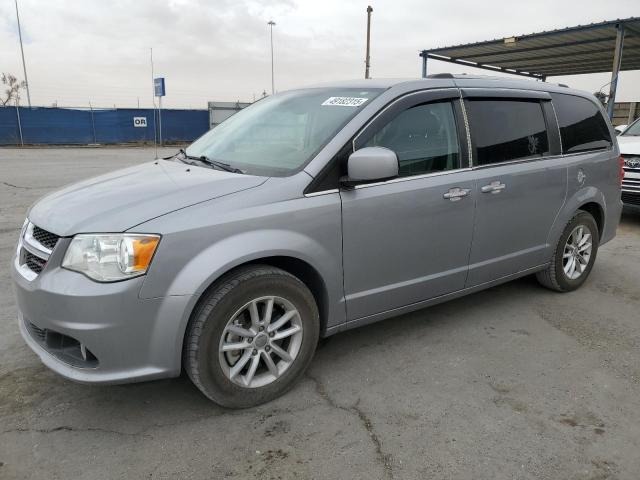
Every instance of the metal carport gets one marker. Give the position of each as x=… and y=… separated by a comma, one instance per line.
x=610, y=46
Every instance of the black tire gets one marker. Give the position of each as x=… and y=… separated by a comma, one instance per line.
x=201, y=358
x=554, y=276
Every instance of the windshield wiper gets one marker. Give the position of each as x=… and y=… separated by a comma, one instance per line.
x=211, y=162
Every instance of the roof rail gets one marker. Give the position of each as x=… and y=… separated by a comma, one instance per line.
x=440, y=75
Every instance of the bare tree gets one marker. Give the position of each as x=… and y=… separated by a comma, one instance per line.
x=11, y=87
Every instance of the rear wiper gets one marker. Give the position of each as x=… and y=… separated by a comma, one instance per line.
x=211, y=162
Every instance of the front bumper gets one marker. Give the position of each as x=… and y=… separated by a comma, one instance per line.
x=128, y=338
x=631, y=199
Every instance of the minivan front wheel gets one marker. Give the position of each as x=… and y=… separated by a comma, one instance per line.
x=252, y=337
x=574, y=255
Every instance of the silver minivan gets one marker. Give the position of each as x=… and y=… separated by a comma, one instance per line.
x=308, y=213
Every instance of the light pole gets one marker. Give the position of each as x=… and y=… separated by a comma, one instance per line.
x=272, y=24
x=24, y=66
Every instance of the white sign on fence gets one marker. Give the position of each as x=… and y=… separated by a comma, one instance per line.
x=140, y=122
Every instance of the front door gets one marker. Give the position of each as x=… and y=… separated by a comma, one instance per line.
x=408, y=239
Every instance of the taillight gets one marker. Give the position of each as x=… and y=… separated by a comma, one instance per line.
x=621, y=168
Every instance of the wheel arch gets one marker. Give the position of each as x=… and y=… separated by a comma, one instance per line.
x=307, y=274
x=297, y=267
x=589, y=199
x=597, y=212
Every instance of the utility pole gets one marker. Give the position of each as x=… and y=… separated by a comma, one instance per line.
x=367, y=61
x=272, y=24
x=153, y=93
x=24, y=66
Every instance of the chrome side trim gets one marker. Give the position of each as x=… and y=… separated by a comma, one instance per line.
x=414, y=177
x=468, y=130
x=539, y=159
x=323, y=192
x=513, y=162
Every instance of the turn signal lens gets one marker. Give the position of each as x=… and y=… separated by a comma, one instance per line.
x=136, y=253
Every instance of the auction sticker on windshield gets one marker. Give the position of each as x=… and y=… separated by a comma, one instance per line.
x=344, y=101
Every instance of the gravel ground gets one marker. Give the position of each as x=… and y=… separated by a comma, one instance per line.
x=513, y=382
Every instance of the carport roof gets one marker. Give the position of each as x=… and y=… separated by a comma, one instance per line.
x=567, y=51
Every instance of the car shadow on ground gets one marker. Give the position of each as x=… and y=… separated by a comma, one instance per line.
x=38, y=399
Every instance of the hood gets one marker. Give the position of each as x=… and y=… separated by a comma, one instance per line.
x=629, y=144
x=122, y=199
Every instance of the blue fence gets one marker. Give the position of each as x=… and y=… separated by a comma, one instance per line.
x=65, y=126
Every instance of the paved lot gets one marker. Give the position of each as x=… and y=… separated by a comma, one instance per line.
x=513, y=382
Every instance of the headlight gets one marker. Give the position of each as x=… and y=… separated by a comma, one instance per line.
x=111, y=257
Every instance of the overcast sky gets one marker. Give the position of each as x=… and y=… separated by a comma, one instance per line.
x=96, y=50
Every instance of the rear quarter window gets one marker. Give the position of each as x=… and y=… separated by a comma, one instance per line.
x=582, y=125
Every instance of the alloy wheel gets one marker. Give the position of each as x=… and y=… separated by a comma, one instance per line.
x=577, y=252
x=260, y=341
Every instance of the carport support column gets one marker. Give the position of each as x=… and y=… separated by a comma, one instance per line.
x=424, y=54
x=615, y=71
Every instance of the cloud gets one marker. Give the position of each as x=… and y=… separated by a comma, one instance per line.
x=219, y=49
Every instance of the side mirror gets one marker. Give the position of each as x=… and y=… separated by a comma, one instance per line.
x=371, y=164
x=619, y=129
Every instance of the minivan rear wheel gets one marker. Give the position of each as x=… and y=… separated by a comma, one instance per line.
x=252, y=337
x=574, y=255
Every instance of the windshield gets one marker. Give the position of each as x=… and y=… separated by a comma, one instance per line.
x=633, y=130
x=279, y=135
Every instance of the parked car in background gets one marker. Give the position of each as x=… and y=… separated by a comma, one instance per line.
x=629, y=142
x=308, y=213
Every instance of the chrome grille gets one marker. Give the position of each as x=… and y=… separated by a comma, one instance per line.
x=33, y=262
x=47, y=239
x=631, y=181
x=34, y=249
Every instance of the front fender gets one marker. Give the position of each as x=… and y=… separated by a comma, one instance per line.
x=241, y=248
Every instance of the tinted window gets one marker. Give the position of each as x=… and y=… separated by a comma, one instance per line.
x=582, y=126
x=506, y=130
x=424, y=138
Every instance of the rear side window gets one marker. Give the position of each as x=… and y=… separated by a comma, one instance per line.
x=582, y=126
x=505, y=130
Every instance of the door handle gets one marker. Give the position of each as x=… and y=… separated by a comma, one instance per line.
x=456, y=194
x=494, y=187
